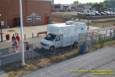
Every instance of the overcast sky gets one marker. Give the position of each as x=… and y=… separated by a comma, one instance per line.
x=71, y=1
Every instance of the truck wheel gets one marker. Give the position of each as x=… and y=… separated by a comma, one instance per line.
x=75, y=45
x=52, y=48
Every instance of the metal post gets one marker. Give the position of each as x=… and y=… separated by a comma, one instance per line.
x=22, y=32
x=88, y=22
x=1, y=33
x=1, y=29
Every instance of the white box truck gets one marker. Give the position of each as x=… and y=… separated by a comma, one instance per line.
x=63, y=34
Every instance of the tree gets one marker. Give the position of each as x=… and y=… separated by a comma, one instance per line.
x=99, y=6
x=110, y=3
x=76, y=2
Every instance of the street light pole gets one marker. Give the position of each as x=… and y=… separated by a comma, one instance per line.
x=1, y=29
x=1, y=32
x=22, y=32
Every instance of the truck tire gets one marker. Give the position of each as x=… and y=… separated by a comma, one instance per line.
x=75, y=45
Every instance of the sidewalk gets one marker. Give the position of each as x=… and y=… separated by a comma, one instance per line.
x=28, y=31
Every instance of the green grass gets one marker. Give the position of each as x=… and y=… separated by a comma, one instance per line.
x=102, y=43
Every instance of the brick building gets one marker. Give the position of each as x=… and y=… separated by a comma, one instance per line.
x=35, y=12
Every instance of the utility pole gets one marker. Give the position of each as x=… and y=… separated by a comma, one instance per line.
x=1, y=33
x=22, y=31
x=1, y=25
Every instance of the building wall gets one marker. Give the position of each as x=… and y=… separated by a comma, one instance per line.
x=38, y=8
x=32, y=9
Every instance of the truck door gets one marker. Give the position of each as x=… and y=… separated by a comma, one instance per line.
x=58, y=41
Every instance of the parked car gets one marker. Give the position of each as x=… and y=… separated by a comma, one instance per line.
x=112, y=13
x=108, y=12
x=97, y=13
x=90, y=14
x=103, y=13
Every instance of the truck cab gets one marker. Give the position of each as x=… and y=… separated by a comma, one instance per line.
x=52, y=41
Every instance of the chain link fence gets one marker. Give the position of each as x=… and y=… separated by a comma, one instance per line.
x=90, y=38
x=100, y=36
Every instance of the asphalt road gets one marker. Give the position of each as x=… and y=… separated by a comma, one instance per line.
x=101, y=59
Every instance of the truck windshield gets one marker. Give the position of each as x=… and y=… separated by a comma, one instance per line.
x=50, y=37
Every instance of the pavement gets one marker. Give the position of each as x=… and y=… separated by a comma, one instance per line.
x=27, y=31
x=103, y=59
